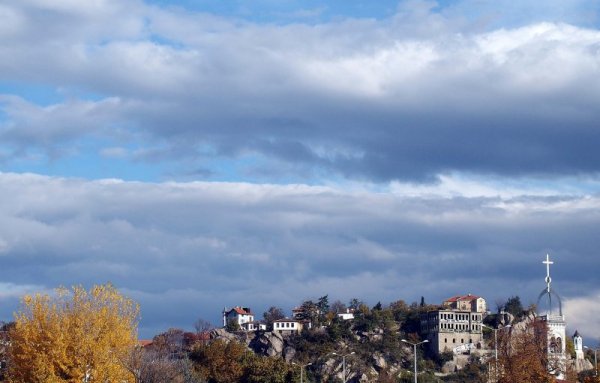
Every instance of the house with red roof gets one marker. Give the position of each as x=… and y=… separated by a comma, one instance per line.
x=468, y=302
x=239, y=315
x=457, y=327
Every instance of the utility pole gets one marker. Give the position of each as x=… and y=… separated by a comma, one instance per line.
x=344, y=377
x=302, y=366
x=495, y=330
x=415, y=352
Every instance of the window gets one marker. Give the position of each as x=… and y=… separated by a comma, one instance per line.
x=445, y=340
x=453, y=340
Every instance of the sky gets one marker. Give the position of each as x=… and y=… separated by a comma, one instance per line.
x=203, y=154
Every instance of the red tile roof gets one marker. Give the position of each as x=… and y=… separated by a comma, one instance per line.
x=144, y=342
x=240, y=311
x=468, y=297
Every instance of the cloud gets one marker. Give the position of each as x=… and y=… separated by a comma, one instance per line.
x=583, y=312
x=219, y=244
x=413, y=96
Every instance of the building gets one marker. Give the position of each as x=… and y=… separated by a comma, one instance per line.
x=457, y=327
x=239, y=315
x=467, y=302
x=253, y=326
x=578, y=345
x=288, y=326
x=348, y=315
x=550, y=312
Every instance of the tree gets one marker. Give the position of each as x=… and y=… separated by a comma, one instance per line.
x=220, y=362
x=355, y=303
x=232, y=325
x=4, y=342
x=74, y=336
x=338, y=307
x=513, y=306
x=150, y=365
x=271, y=315
x=264, y=369
x=523, y=354
x=309, y=311
x=323, y=305
x=202, y=326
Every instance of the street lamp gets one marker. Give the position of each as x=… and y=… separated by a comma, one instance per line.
x=344, y=378
x=595, y=360
x=495, y=348
x=302, y=366
x=415, y=352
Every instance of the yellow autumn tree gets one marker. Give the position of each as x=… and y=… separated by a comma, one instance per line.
x=73, y=336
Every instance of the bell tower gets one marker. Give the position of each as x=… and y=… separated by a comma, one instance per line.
x=551, y=314
x=578, y=343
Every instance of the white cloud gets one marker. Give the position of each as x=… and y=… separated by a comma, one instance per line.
x=583, y=314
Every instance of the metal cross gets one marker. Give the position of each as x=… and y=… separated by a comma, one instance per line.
x=548, y=280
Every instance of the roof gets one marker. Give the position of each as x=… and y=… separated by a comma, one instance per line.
x=240, y=311
x=468, y=297
x=576, y=334
x=288, y=320
x=145, y=342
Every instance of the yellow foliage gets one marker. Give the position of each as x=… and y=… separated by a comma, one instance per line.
x=74, y=336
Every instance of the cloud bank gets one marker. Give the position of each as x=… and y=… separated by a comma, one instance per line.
x=185, y=250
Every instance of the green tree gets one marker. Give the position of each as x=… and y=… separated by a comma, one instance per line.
x=513, y=306
x=264, y=369
x=323, y=305
x=232, y=325
x=271, y=315
x=355, y=304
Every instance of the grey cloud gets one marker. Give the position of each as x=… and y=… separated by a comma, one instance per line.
x=366, y=99
x=191, y=248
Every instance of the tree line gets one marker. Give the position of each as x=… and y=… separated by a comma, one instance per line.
x=78, y=335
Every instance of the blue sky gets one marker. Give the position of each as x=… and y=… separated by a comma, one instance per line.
x=202, y=154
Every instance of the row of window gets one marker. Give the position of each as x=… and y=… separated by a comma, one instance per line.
x=454, y=340
x=465, y=317
x=460, y=327
x=284, y=325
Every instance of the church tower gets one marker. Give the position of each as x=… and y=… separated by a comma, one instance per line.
x=578, y=343
x=552, y=315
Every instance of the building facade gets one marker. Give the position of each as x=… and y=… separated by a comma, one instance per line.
x=458, y=331
x=288, y=326
x=239, y=315
x=467, y=302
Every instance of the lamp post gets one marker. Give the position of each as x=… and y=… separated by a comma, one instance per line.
x=343, y=363
x=415, y=352
x=595, y=360
x=302, y=366
x=495, y=348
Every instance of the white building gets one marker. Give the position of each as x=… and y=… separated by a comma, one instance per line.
x=458, y=327
x=253, y=326
x=239, y=315
x=348, y=315
x=578, y=345
x=288, y=326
